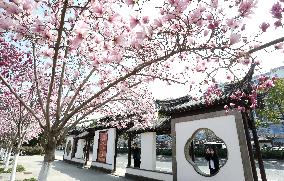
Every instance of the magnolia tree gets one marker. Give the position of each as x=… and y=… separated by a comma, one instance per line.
x=12, y=63
x=18, y=126
x=6, y=143
x=90, y=56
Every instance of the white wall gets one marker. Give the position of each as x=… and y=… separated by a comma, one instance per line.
x=225, y=128
x=69, y=138
x=110, y=149
x=150, y=174
x=148, y=151
x=80, y=146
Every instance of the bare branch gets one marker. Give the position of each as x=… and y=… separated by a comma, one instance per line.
x=37, y=86
x=55, y=57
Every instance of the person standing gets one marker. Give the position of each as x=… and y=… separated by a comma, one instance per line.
x=84, y=151
x=213, y=160
x=136, y=155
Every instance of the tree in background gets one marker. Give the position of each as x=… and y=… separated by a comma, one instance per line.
x=273, y=109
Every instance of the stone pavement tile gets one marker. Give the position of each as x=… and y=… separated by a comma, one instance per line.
x=61, y=171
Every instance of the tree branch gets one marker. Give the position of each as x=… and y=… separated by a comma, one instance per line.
x=59, y=94
x=21, y=100
x=37, y=86
x=55, y=57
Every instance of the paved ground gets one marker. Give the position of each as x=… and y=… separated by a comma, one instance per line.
x=274, y=168
x=62, y=171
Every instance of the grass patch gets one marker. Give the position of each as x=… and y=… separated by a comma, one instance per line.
x=28, y=179
x=10, y=162
x=20, y=168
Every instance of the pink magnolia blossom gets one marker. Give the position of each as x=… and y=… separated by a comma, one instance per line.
x=201, y=66
x=38, y=27
x=114, y=17
x=241, y=108
x=130, y=2
x=264, y=26
x=279, y=46
x=277, y=23
x=145, y=19
x=226, y=107
x=214, y=3
x=13, y=9
x=158, y=23
x=213, y=25
x=277, y=10
x=246, y=61
x=246, y=7
x=229, y=77
x=140, y=36
x=181, y=5
x=119, y=40
x=232, y=104
x=243, y=27
x=232, y=23
x=134, y=21
x=205, y=33
x=6, y=24
x=28, y=5
x=98, y=9
x=235, y=38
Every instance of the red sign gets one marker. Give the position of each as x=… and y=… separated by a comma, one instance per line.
x=102, y=149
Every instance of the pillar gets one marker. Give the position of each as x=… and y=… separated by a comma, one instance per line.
x=148, y=151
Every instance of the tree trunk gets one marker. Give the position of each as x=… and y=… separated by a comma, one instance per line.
x=14, y=169
x=15, y=162
x=257, y=151
x=48, y=159
x=7, y=161
x=5, y=156
x=1, y=153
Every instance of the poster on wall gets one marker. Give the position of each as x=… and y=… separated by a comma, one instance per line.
x=102, y=148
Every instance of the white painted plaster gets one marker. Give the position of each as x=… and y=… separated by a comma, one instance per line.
x=102, y=165
x=150, y=174
x=148, y=151
x=225, y=128
x=80, y=146
x=69, y=138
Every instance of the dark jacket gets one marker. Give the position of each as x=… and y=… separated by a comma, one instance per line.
x=136, y=153
x=215, y=159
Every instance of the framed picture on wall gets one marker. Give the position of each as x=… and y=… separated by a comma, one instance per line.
x=102, y=146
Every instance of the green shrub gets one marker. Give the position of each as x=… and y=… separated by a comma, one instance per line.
x=166, y=152
x=222, y=153
x=20, y=168
x=272, y=154
x=35, y=150
x=30, y=179
x=122, y=150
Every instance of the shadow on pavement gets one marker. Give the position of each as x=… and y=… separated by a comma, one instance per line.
x=81, y=174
